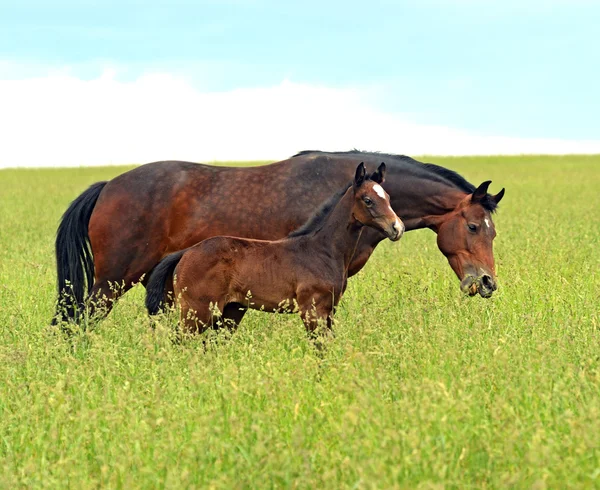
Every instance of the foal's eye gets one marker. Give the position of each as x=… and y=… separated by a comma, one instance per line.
x=368, y=201
x=472, y=227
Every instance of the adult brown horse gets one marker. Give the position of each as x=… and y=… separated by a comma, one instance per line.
x=307, y=270
x=139, y=217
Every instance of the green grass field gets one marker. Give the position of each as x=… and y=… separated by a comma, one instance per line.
x=422, y=387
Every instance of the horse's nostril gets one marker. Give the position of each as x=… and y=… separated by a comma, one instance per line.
x=487, y=281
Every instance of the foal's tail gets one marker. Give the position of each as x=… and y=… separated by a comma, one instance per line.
x=155, y=289
x=74, y=261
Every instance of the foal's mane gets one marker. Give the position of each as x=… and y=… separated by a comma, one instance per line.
x=408, y=165
x=317, y=220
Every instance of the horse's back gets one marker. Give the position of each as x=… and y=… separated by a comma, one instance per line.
x=161, y=207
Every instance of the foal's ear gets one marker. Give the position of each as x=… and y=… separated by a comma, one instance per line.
x=361, y=172
x=481, y=191
x=379, y=175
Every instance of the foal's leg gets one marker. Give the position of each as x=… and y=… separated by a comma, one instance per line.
x=198, y=316
x=233, y=314
x=313, y=321
x=316, y=311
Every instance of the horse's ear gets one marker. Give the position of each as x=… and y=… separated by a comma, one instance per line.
x=379, y=175
x=481, y=191
x=361, y=172
x=498, y=197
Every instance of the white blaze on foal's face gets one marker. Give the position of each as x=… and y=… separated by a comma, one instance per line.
x=379, y=191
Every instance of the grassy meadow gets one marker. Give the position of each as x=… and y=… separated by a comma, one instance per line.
x=422, y=387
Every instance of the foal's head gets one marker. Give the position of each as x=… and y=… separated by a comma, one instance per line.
x=372, y=204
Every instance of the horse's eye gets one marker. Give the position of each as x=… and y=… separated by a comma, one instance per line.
x=368, y=201
x=472, y=227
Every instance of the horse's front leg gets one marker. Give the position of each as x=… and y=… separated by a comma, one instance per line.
x=359, y=260
x=338, y=298
x=366, y=245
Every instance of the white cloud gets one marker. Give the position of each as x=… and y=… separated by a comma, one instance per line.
x=61, y=120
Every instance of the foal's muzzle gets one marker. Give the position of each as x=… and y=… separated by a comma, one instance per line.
x=396, y=231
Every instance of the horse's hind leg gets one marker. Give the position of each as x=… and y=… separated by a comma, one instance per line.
x=103, y=297
x=99, y=303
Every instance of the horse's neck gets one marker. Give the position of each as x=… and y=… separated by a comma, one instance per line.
x=413, y=198
x=340, y=232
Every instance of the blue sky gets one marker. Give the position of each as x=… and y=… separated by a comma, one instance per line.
x=527, y=69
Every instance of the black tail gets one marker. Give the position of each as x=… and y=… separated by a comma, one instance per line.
x=155, y=289
x=74, y=262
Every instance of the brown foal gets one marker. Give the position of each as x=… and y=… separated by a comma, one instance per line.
x=219, y=278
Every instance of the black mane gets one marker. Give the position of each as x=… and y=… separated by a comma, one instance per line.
x=429, y=171
x=316, y=221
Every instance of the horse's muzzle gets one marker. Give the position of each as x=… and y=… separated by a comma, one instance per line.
x=484, y=284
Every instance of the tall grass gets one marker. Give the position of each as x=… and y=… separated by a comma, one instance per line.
x=422, y=387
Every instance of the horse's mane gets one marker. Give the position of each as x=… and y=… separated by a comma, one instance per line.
x=316, y=221
x=428, y=171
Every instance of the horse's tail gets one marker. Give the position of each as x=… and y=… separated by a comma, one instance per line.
x=74, y=261
x=155, y=289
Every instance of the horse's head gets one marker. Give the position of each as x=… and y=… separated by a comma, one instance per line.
x=372, y=204
x=465, y=236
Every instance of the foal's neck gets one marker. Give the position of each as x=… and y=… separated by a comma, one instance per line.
x=340, y=231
